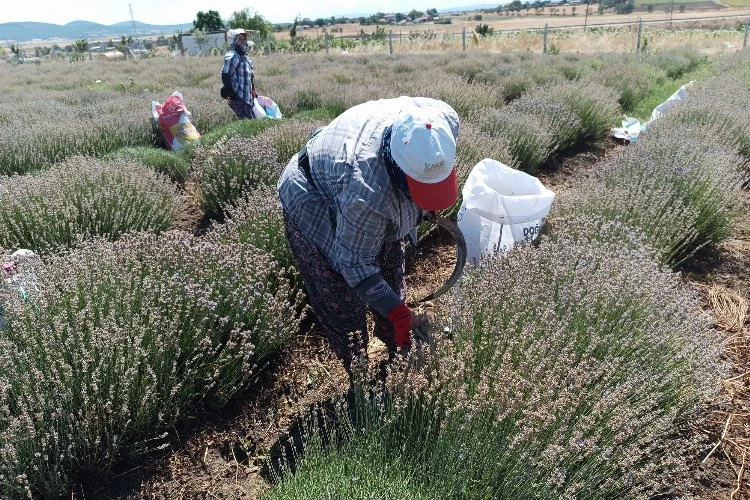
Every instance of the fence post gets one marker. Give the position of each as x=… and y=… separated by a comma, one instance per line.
x=640, y=29
x=326, y=37
x=268, y=43
x=747, y=28
x=390, y=41
x=463, y=38
x=546, y=30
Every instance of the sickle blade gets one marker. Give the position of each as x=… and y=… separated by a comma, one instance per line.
x=458, y=237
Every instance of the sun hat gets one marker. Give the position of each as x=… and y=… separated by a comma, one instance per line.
x=423, y=147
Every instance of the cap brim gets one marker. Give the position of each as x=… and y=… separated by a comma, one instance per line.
x=433, y=197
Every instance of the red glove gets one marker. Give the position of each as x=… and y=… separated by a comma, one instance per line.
x=400, y=316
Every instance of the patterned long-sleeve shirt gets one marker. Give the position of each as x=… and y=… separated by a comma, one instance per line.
x=352, y=207
x=239, y=67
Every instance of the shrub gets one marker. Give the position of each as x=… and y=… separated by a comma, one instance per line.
x=358, y=469
x=562, y=372
x=173, y=164
x=688, y=170
x=83, y=198
x=307, y=99
x=257, y=219
x=595, y=106
x=123, y=341
x=676, y=64
x=647, y=208
x=465, y=99
x=237, y=128
x=557, y=117
x=530, y=141
x=515, y=85
x=712, y=112
x=631, y=82
x=78, y=122
x=231, y=167
x=289, y=137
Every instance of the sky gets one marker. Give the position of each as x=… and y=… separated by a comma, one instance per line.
x=166, y=12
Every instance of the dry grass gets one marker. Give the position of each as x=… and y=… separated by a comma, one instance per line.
x=729, y=307
x=530, y=20
x=622, y=39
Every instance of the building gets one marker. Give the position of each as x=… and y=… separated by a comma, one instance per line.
x=216, y=39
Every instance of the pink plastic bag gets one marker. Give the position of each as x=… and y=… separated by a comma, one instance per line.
x=173, y=120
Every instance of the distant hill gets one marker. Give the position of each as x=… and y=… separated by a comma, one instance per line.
x=27, y=31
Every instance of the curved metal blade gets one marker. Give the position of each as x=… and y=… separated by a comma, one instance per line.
x=458, y=237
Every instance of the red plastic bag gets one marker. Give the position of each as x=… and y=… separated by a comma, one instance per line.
x=173, y=121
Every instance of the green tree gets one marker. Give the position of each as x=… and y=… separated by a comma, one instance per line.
x=81, y=46
x=415, y=13
x=432, y=12
x=243, y=19
x=208, y=21
x=124, y=42
x=177, y=42
x=379, y=34
x=484, y=30
x=16, y=49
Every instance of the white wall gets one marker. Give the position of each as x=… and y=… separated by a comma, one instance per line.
x=215, y=39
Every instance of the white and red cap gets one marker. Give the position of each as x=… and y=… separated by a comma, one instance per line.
x=423, y=146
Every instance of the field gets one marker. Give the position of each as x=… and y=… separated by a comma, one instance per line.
x=159, y=344
x=569, y=15
x=703, y=26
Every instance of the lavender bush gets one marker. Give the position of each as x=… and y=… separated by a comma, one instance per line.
x=711, y=111
x=83, y=198
x=289, y=137
x=236, y=128
x=594, y=105
x=631, y=84
x=566, y=371
x=122, y=341
x=647, y=211
x=226, y=170
x=257, y=219
x=691, y=171
x=530, y=141
x=173, y=164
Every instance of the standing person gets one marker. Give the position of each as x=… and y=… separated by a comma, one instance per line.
x=351, y=197
x=238, y=77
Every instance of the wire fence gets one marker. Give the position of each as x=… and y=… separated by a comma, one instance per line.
x=710, y=34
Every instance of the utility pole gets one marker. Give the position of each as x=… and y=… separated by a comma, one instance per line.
x=135, y=29
x=586, y=19
x=670, y=10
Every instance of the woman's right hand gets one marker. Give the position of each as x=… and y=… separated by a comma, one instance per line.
x=400, y=316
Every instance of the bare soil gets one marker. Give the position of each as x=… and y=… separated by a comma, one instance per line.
x=221, y=454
